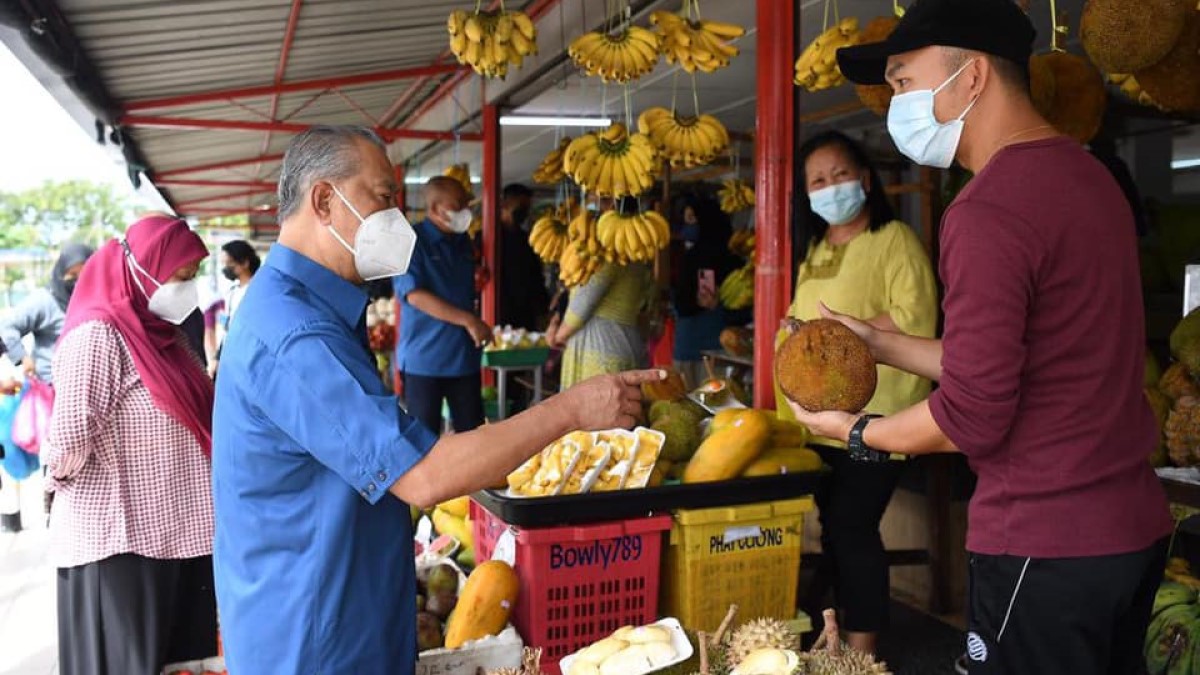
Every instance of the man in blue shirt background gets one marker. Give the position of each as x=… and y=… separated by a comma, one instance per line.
x=438, y=350
x=314, y=461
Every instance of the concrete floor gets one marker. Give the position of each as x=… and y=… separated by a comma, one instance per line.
x=28, y=629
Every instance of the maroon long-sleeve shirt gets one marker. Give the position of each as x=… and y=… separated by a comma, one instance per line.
x=1042, y=359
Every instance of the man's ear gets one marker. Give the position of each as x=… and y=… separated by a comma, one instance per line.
x=321, y=199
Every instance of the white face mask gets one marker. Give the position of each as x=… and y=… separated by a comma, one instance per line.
x=915, y=129
x=384, y=243
x=173, y=301
x=839, y=204
x=460, y=221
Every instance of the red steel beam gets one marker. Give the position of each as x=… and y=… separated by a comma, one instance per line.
x=491, y=211
x=285, y=50
x=289, y=127
x=288, y=87
x=183, y=182
x=773, y=186
x=217, y=166
x=218, y=211
x=231, y=195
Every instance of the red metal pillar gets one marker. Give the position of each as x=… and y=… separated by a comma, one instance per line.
x=401, y=188
x=491, y=211
x=773, y=184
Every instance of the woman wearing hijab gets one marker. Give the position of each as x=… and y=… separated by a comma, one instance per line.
x=132, y=523
x=42, y=313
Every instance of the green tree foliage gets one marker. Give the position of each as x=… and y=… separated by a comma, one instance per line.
x=58, y=212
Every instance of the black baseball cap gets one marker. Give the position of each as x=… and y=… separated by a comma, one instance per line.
x=997, y=27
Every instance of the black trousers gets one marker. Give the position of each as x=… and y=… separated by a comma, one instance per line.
x=424, y=396
x=1061, y=615
x=129, y=615
x=851, y=501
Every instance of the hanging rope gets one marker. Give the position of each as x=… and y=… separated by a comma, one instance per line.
x=897, y=9
x=1061, y=31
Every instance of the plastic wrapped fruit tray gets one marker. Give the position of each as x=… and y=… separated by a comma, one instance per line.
x=600, y=506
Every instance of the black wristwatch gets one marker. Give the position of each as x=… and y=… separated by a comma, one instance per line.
x=859, y=450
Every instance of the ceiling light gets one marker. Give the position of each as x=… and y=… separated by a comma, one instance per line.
x=421, y=180
x=534, y=121
x=1181, y=164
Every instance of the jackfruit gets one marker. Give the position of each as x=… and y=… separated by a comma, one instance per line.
x=1174, y=82
x=876, y=97
x=1185, y=342
x=1183, y=432
x=823, y=365
x=1077, y=106
x=1176, y=382
x=1122, y=37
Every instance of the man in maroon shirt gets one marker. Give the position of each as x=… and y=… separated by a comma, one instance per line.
x=1040, y=366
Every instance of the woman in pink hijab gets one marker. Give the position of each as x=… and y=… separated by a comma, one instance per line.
x=132, y=522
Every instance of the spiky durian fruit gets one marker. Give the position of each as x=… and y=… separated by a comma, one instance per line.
x=1177, y=383
x=847, y=661
x=1183, y=432
x=760, y=634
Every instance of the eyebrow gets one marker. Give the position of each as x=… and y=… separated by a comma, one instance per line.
x=891, y=72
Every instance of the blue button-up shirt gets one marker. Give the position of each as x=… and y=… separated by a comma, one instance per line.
x=313, y=557
x=444, y=265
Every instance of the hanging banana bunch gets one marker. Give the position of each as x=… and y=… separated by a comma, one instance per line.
x=490, y=42
x=549, y=235
x=686, y=141
x=695, y=43
x=817, y=67
x=742, y=243
x=633, y=238
x=550, y=171
x=736, y=195
x=462, y=174
x=737, y=291
x=582, y=256
x=618, y=56
x=613, y=162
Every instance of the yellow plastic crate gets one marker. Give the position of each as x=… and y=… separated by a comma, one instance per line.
x=747, y=555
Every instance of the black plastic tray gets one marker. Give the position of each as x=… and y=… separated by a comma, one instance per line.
x=601, y=506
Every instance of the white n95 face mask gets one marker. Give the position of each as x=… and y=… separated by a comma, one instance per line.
x=384, y=244
x=839, y=204
x=915, y=129
x=460, y=221
x=173, y=301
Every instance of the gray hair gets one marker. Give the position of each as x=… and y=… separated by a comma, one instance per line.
x=322, y=152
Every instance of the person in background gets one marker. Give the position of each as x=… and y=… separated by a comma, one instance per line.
x=523, y=296
x=858, y=259
x=215, y=306
x=239, y=262
x=704, y=261
x=131, y=527
x=1041, y=364
x=438, y=351
x=41, y=315
x=315, y=464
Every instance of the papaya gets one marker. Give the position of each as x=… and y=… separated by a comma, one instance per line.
x=456, y=507
x=729, y=450
x=775, y=461
x=484, y=604
x=787, y=433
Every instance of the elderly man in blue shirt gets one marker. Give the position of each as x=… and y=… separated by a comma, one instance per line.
x=441, y=336
x=314, y=461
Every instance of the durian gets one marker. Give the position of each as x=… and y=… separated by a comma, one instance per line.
x=1177, y=383
x=768, y=662
x=1183, y=431
x=876, y=97
x=1174, y=82
x=760, y=634
x=846, y=662
x=1122, y=36
x=1079, y=98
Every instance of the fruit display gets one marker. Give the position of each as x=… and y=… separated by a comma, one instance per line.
x=451, y=517
x=679, y=422
x=742, y=243
x=1171, y=640
x=817, y=67
x=1180, y=572
x=694, y=43
x=581, y=462
x=728, y=450
x=635, y=237
x=582, y=256
x=670, y=388
x=531, y=664
x=735, y=195
x=1177, y=382
x=484, y=604
x=1182, y=432
x=1174, y=82
x=618, y=56
x=550, y=171
x=461, y=173
x=549, y=234
x=1069, y=92
x=630, y=650
x=876, y=97
x=490, y=42
x=684, y=140
x=1123, y=37
x=613, y=162
x=437, y=596
x=737, y=341
x=823, y=365
x=737, y=291
x=507, y=338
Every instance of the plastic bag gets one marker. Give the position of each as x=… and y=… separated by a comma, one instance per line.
x=31, y=423
x=17, y=463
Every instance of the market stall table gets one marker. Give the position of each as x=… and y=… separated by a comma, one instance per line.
x=504, y=362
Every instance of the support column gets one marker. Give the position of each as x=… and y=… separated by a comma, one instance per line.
x=773, y=184
x=401, y=188
x=491, y=211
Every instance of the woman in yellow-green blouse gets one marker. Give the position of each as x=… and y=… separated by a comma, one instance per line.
x=600, y=325
x=862, y=261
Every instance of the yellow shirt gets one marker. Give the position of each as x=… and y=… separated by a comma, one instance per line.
x=875, y=272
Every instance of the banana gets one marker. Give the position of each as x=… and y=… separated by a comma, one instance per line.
x=612, y=162
x=490, y=42
x=550, y=171
x=615, y=57
x=684, y=141
x=735, y=195
x=816, y=69
x=632, y=238
x=524, y=25
x=695, y=45
x=462, y=174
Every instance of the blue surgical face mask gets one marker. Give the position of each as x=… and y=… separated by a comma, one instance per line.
x=915, y=129
x=839, y=204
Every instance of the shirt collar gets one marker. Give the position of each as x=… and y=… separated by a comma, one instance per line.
x=347, y=300
x=428, y=230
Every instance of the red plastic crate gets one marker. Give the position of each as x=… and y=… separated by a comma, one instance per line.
x=579, y=583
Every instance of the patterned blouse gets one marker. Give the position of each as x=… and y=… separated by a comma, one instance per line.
x=127, y=477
